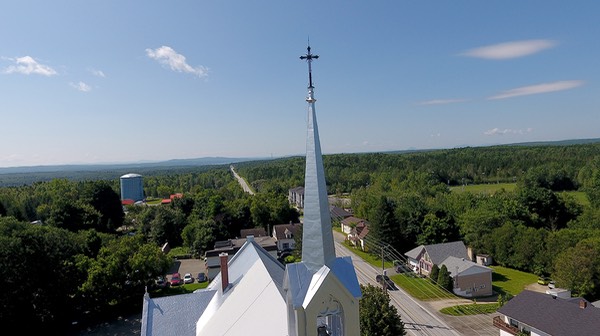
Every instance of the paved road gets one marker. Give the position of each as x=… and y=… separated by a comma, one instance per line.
x=418, y=317
x=242, y=182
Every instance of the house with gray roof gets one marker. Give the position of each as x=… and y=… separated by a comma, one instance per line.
x=540, y=314
x=470, y=279
x=423, y=257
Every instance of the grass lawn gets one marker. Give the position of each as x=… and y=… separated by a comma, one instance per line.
x=183, y=289
x=153, y=201
x=579, y=196
x=510, y=281
x=470, y=309
x=421, y=288
x=368, y=257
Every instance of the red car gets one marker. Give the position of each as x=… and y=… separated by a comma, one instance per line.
x=176, y=279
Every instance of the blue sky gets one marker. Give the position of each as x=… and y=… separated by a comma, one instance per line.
x=105, y=81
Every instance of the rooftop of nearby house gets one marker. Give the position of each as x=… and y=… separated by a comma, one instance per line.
x=280, y=229
x=463, y=266
x=297, y=190
x=552, y=315
x=353, y=220
x=338, y=213
x=231, y=246
x=256, y=232
x=439, y=252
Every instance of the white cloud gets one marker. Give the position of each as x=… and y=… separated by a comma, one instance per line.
x=441, y=101
x=497, y=131
x=97, y=73
x=28, y=65
x=176, y=62
x=81, y=86
x=539, y=88
x=510, y=49
x=435, y=135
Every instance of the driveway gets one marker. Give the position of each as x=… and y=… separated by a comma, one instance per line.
x=183, y=266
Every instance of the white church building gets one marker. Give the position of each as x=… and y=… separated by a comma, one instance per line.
x=254, y=294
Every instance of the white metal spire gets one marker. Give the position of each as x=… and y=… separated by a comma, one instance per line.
x=317, y=237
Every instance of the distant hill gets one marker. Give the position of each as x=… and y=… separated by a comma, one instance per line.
x=206, y=161
x=557, y=143
x=15, y=176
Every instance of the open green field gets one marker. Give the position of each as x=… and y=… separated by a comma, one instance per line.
x=579, y=196
x=485, y=188
x=510, y=281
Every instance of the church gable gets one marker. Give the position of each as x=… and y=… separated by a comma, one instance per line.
x=330, y=304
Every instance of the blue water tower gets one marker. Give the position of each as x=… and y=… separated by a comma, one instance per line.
x=132, y=187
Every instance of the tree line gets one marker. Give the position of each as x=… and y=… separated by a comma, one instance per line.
x=407, y=199
x=95, y=258
x=69, y=251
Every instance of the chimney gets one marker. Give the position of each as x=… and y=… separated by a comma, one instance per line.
x=224, y=271
x=582, y=304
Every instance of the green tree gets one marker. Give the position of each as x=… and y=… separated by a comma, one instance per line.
x=578, y=268
x=377, y=316
x=102, y=197
x=383, y=226
x=444, y=280
x=435, y=271
x=200, y=235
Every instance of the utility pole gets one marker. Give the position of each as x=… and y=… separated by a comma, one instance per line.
x=383, y=281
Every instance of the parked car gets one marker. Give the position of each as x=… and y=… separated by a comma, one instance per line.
x=176, y=279
x=384, y=280
x=543, y=280
x=161, y=282
x=202, y=277
x=187, y=278
x=551, y=284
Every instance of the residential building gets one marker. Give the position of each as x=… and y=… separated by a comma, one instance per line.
x=231, y=247
x=423, y=257
x=539, y=314
x=296, y=197
x=338, y=214
x=350, y=222
x=470, y=279
x=285, y=236
x=255, y=232
x=358, y=234
x=255, y=294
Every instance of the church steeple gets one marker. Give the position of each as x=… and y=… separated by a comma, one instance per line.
x=317, y=237
x=321, y=291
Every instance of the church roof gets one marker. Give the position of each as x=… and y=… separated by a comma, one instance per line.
x=174, y=315
x=302, y=283
x=254, y=300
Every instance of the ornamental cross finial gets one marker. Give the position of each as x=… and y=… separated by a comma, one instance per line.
x=309, y=58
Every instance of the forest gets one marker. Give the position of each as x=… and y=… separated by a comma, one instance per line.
x=69, y=250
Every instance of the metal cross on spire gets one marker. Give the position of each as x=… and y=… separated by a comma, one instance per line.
x=309, y=58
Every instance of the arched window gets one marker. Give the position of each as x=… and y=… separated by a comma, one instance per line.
x=330, y=321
